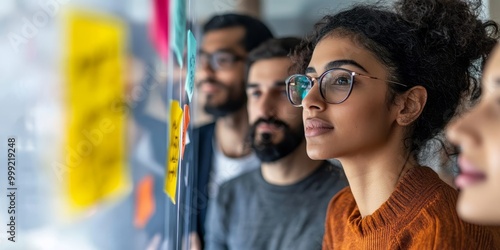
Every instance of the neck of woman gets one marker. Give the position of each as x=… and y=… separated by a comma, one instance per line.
x=373, y=177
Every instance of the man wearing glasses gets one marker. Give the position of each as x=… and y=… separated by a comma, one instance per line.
x=283, y=204
x=221, y=152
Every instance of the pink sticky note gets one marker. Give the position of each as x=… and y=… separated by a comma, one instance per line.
x=159, y=27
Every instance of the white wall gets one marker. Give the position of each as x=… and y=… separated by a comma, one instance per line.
x=285, y=17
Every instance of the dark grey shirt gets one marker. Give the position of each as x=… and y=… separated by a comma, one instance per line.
x=250, y=213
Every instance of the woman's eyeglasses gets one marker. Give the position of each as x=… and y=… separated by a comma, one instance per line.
x=335, y=85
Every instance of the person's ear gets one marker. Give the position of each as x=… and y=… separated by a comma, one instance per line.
x=410, y=105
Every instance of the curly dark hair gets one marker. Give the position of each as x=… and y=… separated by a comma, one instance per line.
x=438, y=44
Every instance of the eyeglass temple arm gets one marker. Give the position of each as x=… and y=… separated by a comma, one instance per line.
x=375, y=78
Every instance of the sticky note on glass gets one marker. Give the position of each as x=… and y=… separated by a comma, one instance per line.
x=179, y=35
x=95, y=136
x=173, y=150
x=185, y=124
x=144, y=202
x=191, y=61
x=159, y=27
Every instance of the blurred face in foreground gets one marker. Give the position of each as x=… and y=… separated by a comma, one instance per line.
x=477, y=134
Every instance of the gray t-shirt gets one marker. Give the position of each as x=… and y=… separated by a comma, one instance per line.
x=249, y=213
x=226, y=168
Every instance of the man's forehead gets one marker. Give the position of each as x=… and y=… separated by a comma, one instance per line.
x=270, y=84
x=225, y=38
x=271, y=72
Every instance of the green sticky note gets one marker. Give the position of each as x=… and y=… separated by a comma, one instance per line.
x=179, y=14
x=191, y=63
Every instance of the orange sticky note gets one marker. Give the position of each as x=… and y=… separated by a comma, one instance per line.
x=145, y=202
x=185, y=124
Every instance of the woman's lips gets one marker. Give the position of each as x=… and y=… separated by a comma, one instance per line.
x=469, y=175
x=314, y=127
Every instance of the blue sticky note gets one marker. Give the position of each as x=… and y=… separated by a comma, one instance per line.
x=179, y=23
x=191, y=63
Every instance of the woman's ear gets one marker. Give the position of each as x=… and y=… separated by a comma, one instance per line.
x=411, y=104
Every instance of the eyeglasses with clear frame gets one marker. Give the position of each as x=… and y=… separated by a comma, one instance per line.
x=219, y=60
x=335, y=85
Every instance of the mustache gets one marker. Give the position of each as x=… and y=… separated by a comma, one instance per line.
x=266, y=138
x=211, y=81
x=270, y=121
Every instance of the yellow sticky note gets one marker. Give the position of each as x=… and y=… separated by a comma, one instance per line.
x=173, y=150
x=95, y=126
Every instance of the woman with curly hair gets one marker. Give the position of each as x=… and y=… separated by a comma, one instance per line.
x=379, y=83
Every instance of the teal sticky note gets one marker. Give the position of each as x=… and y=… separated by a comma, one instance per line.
x=179, y=36
x=191, y=63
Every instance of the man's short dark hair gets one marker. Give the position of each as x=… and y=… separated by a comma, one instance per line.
x=273, y=48
x=256, y=32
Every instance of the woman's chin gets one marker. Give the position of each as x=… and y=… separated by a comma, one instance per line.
x=478, y=209
x=319, y=152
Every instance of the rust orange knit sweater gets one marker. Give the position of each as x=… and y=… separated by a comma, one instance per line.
x=420, y=214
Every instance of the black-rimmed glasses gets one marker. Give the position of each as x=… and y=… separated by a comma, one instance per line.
x=219, y=60
x=335, y=85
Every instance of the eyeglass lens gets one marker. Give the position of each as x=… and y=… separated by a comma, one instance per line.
x=335, y=85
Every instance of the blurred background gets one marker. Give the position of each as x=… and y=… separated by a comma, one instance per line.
x=85, y=91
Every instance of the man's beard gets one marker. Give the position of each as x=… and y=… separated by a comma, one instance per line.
x=265, y=150
x=232, y=103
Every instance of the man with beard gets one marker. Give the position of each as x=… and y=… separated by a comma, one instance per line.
x=283, y=204
x=221, y=153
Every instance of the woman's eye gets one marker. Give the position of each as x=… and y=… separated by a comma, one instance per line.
x=341, y=81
